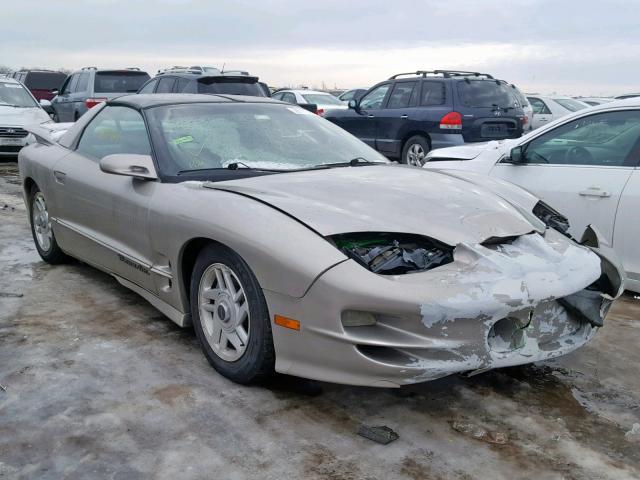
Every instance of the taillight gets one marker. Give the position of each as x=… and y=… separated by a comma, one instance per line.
x=525, y=120
x=92, y=102
x=451, y=121
x=320, y=111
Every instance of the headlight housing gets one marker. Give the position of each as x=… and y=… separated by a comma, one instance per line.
x=551, y=217
x=393, y=253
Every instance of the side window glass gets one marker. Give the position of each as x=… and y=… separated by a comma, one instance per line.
x=604, y=139
x=115, y=130
x=74, y=83
x=539, y=106
x=433, y=93
x=65, y=86
x=165, y=85
x=181, y=84
x=374, y=99
x=83, y=82
x=148, y=88
x=277, y=96
x=289, y=97
x=345, y=97
x=401, y=95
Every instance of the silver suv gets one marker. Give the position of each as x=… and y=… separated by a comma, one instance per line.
x=89, y=86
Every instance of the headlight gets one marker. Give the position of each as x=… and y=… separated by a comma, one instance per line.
x=393, y=253
x=551, y=217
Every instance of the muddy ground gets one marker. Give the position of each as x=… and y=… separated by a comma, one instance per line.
x=95, y=383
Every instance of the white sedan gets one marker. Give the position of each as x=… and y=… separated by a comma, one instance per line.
x=323, y=100
x=549, y=108
x=586, y=165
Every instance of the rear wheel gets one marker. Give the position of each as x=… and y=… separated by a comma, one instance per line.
x=41, y=230
x=414, y=151
x=230, y=316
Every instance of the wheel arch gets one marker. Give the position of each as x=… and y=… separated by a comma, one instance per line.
x=27, y=186
x=413, y=133
x=187, y=259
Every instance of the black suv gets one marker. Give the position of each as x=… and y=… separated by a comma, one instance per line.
x=194, y=81
x=412, y=113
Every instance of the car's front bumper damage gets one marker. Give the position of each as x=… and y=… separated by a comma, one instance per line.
x=522, y=301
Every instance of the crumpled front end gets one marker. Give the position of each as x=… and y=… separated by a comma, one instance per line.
x=508, y=302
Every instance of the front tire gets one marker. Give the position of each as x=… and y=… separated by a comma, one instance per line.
x=230, y=316
x=415, y=150
x=41, y=230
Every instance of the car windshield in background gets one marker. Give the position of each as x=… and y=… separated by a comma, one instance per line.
x=213, y=136
x=599, y=129
x=485, y=93
x=45, y=80
x=319, y=99
x=230, y=86
x=119, y=81
x=570, y=104
x=15, y=95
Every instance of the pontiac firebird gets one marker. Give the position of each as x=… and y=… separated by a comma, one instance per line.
x=291, y=246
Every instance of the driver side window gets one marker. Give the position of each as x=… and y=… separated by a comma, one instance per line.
x=373, y=100
x=606, y=139
x=115, y=130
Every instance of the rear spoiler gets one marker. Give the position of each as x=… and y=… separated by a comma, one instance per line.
x=48, y=133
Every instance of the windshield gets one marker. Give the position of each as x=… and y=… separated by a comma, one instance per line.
x=230, y=86
x=570, y=104
x=15, y=95
x=485, y=93
x=320, y=99
x=119, y=82
x=283, y=137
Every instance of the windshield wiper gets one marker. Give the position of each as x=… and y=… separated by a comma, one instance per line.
x=354, y=162
x=496, y=106
x=231, y=166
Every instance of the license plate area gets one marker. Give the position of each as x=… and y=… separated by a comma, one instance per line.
x=494, y=130
x=11, y=142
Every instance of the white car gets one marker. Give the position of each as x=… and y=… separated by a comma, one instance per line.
x=595, y=100
x=586, y=165
x=549, y=108
x=18, y=108
x=526, y=108
x=324, y=101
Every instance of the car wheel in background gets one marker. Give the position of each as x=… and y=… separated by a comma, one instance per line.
x=414, y=151
x=41, y=229
x=230, y=316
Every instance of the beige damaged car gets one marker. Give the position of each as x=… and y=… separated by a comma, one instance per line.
x=292, y=246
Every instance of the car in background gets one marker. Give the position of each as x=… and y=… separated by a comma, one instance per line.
x=592, y=101
x=410, y=114
x=526, y=107
x=18, y=108
x=192, y=81
x=549, y=108
x=354, y=93
x=41, y=83
x=323, y=101
x=585, y=165
x=89, y=86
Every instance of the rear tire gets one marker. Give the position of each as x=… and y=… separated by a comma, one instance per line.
x=41, y=230
x=230, y=316
x=414, y=151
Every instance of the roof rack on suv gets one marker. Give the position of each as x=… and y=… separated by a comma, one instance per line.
x=444, y=73
x=89, y=68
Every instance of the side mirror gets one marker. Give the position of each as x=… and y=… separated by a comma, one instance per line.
x=517, y=156
x=45, y=103
x=353, y=103
x=55, y=92
x=129, y=165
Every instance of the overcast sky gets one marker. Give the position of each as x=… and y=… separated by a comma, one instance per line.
x=575, y=47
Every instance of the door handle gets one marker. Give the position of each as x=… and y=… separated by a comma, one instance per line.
x=404, y=116
x=594, y=192
x=59, y=176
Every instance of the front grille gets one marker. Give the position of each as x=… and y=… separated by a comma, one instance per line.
x=10, y=149
x=13, y=132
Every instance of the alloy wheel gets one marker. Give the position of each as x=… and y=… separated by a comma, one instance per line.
x=41, y=222
x=415, y=155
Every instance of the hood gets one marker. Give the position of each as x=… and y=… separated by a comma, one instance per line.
x=19, y=117
x=386, y=198
x=471, y=150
